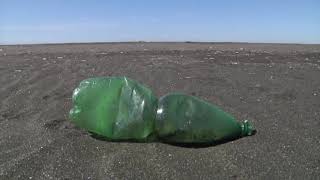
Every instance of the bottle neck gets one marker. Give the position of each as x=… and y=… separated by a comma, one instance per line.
x=247, y=129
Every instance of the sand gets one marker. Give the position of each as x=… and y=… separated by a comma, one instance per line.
x=275, y=86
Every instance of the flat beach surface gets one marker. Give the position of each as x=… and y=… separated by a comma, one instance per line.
x=275, y=86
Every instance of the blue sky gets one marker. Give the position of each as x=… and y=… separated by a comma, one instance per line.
x=44, y=21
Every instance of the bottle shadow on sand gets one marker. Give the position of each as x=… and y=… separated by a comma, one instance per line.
x=184, y=145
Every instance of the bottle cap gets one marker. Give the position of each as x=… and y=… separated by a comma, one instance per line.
x=247, y=129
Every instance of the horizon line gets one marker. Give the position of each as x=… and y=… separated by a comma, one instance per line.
x=187, y=42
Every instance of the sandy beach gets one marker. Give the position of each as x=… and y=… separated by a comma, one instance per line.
x=275, y=86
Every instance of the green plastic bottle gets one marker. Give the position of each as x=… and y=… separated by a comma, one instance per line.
x=116, y=108
x=119, y=108
x=187, y=119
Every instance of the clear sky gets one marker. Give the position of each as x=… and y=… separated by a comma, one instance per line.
x=52, y=21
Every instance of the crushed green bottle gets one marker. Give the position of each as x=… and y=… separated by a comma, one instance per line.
x=119, y=108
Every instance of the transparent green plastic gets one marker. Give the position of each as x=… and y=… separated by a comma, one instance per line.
x=119, y=108
x=187, y=119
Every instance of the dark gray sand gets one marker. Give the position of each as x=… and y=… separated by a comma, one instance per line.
x=276, y=87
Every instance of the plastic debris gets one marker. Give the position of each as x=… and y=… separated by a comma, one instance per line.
x=119, y=108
